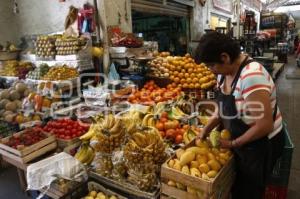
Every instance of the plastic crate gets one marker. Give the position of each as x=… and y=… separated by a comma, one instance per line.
x=281, y=172
x=275, y=192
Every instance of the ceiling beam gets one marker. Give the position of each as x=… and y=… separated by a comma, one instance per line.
x=275, y=4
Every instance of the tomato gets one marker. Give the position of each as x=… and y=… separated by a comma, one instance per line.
x=170, y=133
x=159, y=126
x=164, y=115
x=162, y=133
x=68, y=137
x=178, y=139
x=163, y=119
x=186, y=127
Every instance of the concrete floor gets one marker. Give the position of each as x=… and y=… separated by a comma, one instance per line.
x=289, y=103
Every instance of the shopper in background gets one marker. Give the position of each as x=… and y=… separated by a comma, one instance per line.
x=248, y=108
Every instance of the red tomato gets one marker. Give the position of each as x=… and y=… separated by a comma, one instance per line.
x=159, y=126
x=163, y=119
x=178, y=139
x=170, y=133
x=68, y=137
x=164, y=115
x=67, y=132
x=162, y=133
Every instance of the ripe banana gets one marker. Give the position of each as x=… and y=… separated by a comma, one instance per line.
x=117, y=127
x=80, y=155
x=89, y=156
x=186, y=138
x=111, y=120
x=140, y=139
x=148, y=120
x=91, y=132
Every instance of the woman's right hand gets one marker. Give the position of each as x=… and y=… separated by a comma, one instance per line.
x=202, y=134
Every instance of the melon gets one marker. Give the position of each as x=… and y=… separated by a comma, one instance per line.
x=11, y=106
x=18, y=104
x=9, y=118
x=4, y=94
x=14, y=95
x=3, y=103
x=21, y=87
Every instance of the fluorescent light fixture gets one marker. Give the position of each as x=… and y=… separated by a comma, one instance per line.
x=287, y=9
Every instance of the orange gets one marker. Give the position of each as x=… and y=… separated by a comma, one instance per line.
x=191, y=86
x=189, y=80
x=187, y=55
x=172, y=77
x=176, y=79
x=179, y=85
x=185, y=85
x=192, y=75
x=199, y=76
x=175, y=73
x=186, y=75
x=172, y=67
x=180, y=75
x=197, y=85
x=195, y=80
x=190, y=70
x=182, y=81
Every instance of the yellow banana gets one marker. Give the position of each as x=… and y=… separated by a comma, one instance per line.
x=111, y=120
x=146, y=119
x=139, y=139
x=80, y=155
x=116, y=128
x=91, y=132
x=89, y=156
x=186, y=138
x=151, y=122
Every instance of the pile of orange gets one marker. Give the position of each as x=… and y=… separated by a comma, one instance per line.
x=187, y=74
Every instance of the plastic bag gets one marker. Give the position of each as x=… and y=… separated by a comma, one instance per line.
x=119, y=167
x=102, y=164
x=113, y=74
x=41, y=174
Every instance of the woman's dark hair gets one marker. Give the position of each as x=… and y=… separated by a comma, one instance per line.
x=213, y=44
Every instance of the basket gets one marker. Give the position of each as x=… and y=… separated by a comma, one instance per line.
x=281, y=172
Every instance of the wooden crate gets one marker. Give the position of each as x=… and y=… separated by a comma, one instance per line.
x=208, y=187
x=223, y=192
x=62, y=143
x=30, y=152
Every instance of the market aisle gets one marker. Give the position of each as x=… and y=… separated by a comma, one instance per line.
x=289, y=103
x=9, y=184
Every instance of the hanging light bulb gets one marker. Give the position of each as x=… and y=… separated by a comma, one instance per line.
x=16, y=7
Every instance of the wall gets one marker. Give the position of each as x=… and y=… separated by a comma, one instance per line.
x=115, y=7
x=44, y=16
x=8, y=25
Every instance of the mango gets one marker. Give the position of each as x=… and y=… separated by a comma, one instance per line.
x=194, y=164
x=202, y=159
x=204, y=168
x=212, y=173
x=171, y=183
x=179, y=153
x=205, y=177
x=187, y=157
x=198, y=150
x=195, y=172
x=214, y=165
x=171, y=163
x=185, y=169
x=177, y=165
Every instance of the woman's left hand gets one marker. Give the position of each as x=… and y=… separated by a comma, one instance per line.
x=227, y=144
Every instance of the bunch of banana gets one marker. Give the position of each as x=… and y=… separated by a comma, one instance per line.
x=188, y=136
x=131, y=120
x=94, y=128
x=159, y=108
x=148, y=120
x=85, y=154
x=176, y=113
x=145, y=147
x=109, y=134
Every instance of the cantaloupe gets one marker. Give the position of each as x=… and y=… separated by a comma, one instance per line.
x=21, y=87
x=4, y=94
x=3, y=103
x=14, y=95
x=11, y=106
